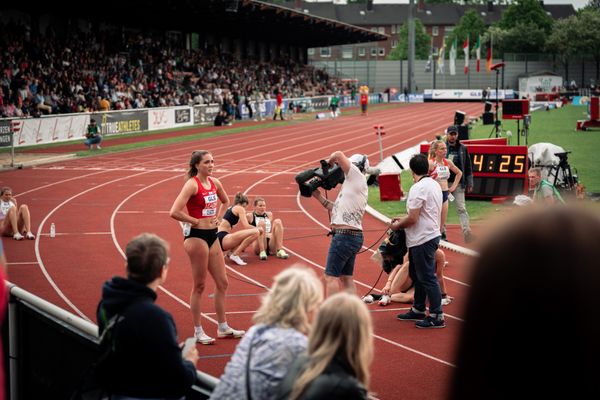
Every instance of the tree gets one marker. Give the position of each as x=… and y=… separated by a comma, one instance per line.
x=470, y=25
x=562, y=39
x=588, y=32
x=526, y=12
x=422, y=43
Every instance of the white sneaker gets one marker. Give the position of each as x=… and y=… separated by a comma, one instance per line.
x=203, y=338
x=368, y=299
x=385, y=300
x=98, y=147
x=230, y=333
x=18, y=236
x=237, y=259
x=446, y=300
x=30, y=236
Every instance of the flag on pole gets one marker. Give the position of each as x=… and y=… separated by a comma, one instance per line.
x=441, y=56
x=466, y=51
x=452, y=58
x=478, y=52
x=488, y=59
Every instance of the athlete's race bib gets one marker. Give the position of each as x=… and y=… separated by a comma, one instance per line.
x=210, y=208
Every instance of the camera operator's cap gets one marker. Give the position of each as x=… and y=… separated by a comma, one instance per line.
x=383, y=248
x=452, y=128
x=360, y=160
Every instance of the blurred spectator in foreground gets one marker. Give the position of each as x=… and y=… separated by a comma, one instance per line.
x=264, y=355
x=530, y=330
x=146, y=361
x=340, y=351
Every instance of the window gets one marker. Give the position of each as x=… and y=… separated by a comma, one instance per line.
x=374, y=51
x=374, y=29
x=382, y=30
x=435, y=30
x=394, y=44
x=325, y=51
x=361, y=52
x=311, y=52
x=381, y=52
x=347, y=52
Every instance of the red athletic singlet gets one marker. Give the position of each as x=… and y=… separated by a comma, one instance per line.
x=204, y=203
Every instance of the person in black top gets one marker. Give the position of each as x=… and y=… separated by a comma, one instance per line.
x=146, y=361
x=237, y=241
x=270, y=240
x=459, y=155
x=340, y=350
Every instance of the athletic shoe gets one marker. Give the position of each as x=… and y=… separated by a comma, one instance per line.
x=230, y=333
x=443, y=235
x=385, y=300
x=411, y=315
x=430, y=322
x=237, y=259
x=368, y=299
x=282, y=254
x=263, y=255
x=203, y=338
x=18, y=236
x=30, y=236
x=98, y=147
x=447, y=300
x=469, y=237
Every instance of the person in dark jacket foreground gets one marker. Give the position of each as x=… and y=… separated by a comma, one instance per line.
x=146, y=361
x=340, y=350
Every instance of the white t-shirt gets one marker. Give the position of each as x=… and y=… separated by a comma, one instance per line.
x=426, y=195
x=4, y=207
x=349, y=206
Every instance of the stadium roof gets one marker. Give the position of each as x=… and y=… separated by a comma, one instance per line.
x=248, y=19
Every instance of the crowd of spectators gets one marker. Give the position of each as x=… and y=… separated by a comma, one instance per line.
x=112, y=70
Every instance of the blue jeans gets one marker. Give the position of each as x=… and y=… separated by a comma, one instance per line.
x=421, y=270
x=342, y=253
x=93, y=140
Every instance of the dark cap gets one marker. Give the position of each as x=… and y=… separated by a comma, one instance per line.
x=452, y=128
x=383, y=248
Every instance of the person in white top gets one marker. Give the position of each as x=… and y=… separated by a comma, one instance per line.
x=439, y=169
x=15, y=220
x=422, y=227
x=346, y=221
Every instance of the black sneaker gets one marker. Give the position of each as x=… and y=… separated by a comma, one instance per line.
x=412, y=315
x=430, y=322
x=444, y=236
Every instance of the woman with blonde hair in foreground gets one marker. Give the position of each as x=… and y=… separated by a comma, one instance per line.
x=340, y=350
x=264, y=355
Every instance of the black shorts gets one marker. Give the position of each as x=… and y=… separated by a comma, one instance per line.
x=445, y=195
x=208, y=235
x=221, y=235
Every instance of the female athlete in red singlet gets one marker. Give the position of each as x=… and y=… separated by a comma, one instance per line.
x=197, y=204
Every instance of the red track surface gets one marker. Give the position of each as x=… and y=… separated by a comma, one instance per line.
x=99, y=203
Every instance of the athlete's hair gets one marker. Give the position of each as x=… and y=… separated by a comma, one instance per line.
x=240, y=198
x=197, y=156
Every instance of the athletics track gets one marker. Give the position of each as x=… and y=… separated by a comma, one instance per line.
x=99, y=203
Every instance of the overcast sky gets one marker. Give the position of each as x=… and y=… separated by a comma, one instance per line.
x=576, y=3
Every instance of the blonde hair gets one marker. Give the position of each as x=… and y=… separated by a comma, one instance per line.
x=343, y=327
x=434, y=146
x=295, y=293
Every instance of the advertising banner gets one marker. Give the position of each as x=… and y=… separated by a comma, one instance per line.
x=5, y=133
x=205, y=114
x=465, y=94
x=112, y=123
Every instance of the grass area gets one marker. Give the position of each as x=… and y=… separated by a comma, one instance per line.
x=554, y=126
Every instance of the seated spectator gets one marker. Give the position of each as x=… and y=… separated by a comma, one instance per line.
x=535, y=283
x=221, y=119
x=93, y=136
x=146, y=360
x=264, y=355
x=270, y=240
x=15, y=220
x=239, y=240
x=340, y=351
x=399, y=287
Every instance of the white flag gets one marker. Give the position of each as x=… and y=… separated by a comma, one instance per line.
x=453, y=58
x=441, y=56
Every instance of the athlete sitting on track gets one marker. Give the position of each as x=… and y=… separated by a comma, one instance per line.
x=241, y=239
x=270, y=240
x=15, y=220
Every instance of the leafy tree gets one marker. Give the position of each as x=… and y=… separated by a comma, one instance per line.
x=470, y=25
x=588, y=32
x=562, y=39
x=422, y=43
x=526, y=12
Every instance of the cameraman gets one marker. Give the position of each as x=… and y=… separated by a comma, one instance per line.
x=346, y=221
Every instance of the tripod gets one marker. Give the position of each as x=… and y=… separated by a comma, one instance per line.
x=569, y=181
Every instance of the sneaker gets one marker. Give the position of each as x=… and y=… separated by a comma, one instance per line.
x=443, y=235
x=230, y=333
x=203, y=338
x=469, y=237
x=430, y=322
x=263, y=255
x=411, y=315
x=30, y=236
x=18, y=236
x=282, y=254
x=447, y=300
x=368, y=299
x=237, y=259
x=98, y=147
x=385, y=300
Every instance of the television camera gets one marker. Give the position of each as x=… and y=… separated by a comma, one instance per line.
x=326, y=177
